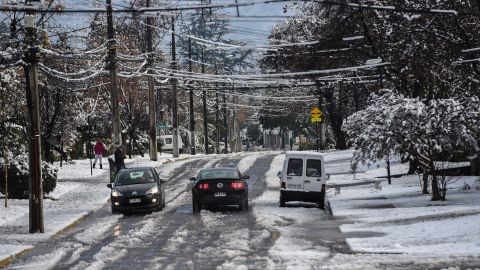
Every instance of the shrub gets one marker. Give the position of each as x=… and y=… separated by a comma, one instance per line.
x=18, y=182
x=307, y=146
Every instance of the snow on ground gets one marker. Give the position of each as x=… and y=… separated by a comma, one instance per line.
x=291, y=250
x=398, y=223
x=247, y=162
x=77, y=194
x=404, y=220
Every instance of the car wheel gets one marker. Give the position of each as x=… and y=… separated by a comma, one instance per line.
x=282, y=201
x=196, y=207
x=244, y=205
x=115, y=210
x=321, y=204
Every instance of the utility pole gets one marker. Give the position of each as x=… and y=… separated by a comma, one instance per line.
x=112, y=67
x=151, y=90
x=321, y=125
x=204, y=98
x=33, y=102
x=205, y=111
x=217, y=130
x=174, y=94
x=192, y=115
x=225, y=122
x=236, y=147
x=5, y=176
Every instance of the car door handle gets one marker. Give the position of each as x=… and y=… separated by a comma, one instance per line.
x=307, y=182
x=289, y=178
x=319, y=179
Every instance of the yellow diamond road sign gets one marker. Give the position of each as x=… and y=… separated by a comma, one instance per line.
x=316, y=115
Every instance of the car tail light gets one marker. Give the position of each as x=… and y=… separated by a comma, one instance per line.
x=203, y=186
x=283, y=185
x=238, y=185
x=323, y=188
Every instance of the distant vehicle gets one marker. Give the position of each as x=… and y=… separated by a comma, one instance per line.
x=167, y=143
x=219, y=186
x=137, y=189
x=303, y=178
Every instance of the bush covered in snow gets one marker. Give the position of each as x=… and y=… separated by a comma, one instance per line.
x=18, y=177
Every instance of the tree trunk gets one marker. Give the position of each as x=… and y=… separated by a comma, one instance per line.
x=436, y=196
x=412, y=166
x=389, y=176
x=474, y=168
x=425, y=183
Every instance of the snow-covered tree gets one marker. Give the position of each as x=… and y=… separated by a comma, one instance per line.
x=425, y=130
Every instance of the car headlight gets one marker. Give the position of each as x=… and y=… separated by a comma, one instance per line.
x=153, y=190
x=116, y=193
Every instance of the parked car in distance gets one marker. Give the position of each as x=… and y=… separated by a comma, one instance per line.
x=303, y=178
x=219, y=186
x=137, y=189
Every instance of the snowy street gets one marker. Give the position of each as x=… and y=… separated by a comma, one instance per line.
x=364, y=233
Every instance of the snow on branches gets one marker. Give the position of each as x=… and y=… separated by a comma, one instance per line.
x=410, y=127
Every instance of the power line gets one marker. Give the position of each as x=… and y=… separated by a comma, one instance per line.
x=152, y=10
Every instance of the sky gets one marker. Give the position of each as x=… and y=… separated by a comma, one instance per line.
x=253, y=30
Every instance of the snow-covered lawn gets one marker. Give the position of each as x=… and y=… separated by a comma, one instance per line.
x=405, y=220
x=77, y=194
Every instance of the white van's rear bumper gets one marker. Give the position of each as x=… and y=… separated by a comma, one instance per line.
x=302, y=196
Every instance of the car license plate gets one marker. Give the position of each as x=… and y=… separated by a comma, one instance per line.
x=294, y=186
x=220, y=194
x=138, y=200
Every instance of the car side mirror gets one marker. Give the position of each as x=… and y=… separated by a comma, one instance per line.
x=328, y=176
x=246, y=177
x=109, y=185
x=279, y=174
x=192, y=178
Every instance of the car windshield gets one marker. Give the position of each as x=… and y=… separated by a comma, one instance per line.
x=219, y=174
x=135, y=177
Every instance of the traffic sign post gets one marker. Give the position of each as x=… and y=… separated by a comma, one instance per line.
x=316, y=115
x=162, y=125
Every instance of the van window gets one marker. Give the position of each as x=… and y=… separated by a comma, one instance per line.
x=295, y=167
x=314, y=168
x=168, y=140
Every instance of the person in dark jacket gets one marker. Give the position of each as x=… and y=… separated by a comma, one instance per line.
x=119, y=158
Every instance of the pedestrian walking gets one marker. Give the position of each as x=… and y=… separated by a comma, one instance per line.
x=120, y=158
x=291, y=143
x=99, y=150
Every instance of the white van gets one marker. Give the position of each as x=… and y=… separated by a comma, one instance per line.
x=303, y=178
x=167, y=143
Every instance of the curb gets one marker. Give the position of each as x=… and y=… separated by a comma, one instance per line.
x=5, y=262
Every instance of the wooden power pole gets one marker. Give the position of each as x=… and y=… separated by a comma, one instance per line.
x=112, y=67
x=33, y=102
x=152, y=114
x=192, y=113
x=174, y=94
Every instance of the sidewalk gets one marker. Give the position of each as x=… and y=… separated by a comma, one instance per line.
x=78, y=194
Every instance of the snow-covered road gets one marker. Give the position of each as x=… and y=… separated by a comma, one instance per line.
x=299, y=236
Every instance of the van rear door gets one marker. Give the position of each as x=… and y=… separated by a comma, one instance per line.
x=294, y=173
x=314, y=170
